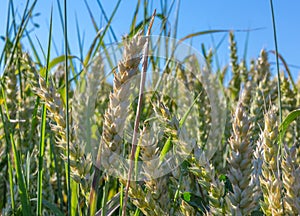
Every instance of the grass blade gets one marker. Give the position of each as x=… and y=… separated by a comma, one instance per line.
x=67, y=108
x=26, y=209
x=43, y=131
x=277, y=62
x=287, y=121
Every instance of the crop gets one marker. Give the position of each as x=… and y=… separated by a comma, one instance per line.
x=205, y=145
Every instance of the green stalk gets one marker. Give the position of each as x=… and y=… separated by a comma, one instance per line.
x=67, y=107
x=277, y=62
x=24, y=21
x=135, y=14
x=107, y=20
x=26, y=209
x=11, y=183
x=107, y=26
x=10, y=171
x=280, y=149
x=68, y=47
x=74, y=197
x=104, y=197
x=43, y=131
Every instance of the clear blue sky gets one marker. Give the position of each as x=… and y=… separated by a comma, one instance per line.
x=195, y=15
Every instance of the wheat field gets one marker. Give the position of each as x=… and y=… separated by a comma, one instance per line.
x=91, y=140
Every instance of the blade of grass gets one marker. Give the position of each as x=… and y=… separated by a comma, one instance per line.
x=107, y=26
x=67, y=107
x=287, y=121
x=91, y=16
x=140, y=25
x=26, y=209
x=145, y=13
x=14, y=25
x=43, y=130
x=80, y=42
x=135, y=14
x=35, y=53
x=280, y=149
x=277, y=62
x=107, y=20
x=74, y=197
x=214, y=31
x=176, y=21
x=216, y=47
x=22, y=27
x=6, y=33
x=111, y=206
x=10, y=171
x=104, y=197
x=61, y=16
x=11, y=183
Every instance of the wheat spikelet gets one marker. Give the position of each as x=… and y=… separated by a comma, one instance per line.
x=151, y=152
x=186, y=209
x=117, y=111
x=291, y=176
x=263, y=93
x=257, y=172
x=83, y=107
x=11, y=90
x=235, y=82
x=262, y=68
x=202, y=109
x=143, y=200
x=79, y=162
x=270, y=180
x=150, y=155
x=241, y=164
x=215, y=189
x=244, y=72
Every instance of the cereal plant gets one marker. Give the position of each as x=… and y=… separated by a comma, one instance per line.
x=145, y=126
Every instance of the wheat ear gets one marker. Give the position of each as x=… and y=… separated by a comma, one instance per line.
x=270, y=180
x=241, y=164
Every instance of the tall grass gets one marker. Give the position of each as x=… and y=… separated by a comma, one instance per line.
x=65, y=127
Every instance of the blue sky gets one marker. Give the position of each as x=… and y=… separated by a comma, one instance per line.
x=195, y=15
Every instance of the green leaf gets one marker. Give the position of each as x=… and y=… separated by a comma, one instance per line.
x=222, y=177
x=287, y=121
x=186, y=196
x=165, y=149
